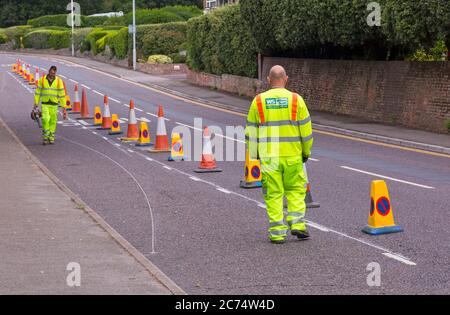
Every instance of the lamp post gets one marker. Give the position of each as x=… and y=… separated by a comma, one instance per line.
x=134, y=35
x=73, y=26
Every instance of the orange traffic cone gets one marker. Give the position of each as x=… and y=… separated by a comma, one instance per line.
x=106, y=121
x=177, y=152
x=115, y=126
x=76, y=104
x=68, y=104
x=132, y=132
x=381, y=217
x=36, y=79
x=308, y=197
x=208, y=162
x=84, y=106
x=162, y=140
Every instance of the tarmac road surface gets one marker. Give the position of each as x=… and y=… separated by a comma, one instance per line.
x=208, y=235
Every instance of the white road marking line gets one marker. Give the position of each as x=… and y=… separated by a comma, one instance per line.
x=126, y=105
x=117, y=145
x=198, y=129
x=261, y=205
x=167, y=168
x=105, y=138
x=223, y=190
x=94, y=132
x=195, y=179
x=318, y=227
x=73, y=81
x=84, y=127
x=149, y=159
x=131, y=151
x=97, y=92
x=87, y=87
x=138, y=109
x=400, y=258
x=63, y=76
x=314, y=160
x=83, y=122
x=154, y=115
x=387, y=177
x=114, y=100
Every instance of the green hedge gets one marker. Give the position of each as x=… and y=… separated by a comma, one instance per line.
x=45, y=39
x=3, y=38
x=220, y=42
x=14, y=34
x=161, y=39
x=118, y=43
x=338, y=28
x=152, y=16
x=61, y=21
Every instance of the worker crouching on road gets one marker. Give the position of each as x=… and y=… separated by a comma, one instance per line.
x=279, y=133
x=50, y=93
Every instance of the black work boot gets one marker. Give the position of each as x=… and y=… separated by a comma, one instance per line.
x=301, y=235
x=44, y=142
x=278, y=241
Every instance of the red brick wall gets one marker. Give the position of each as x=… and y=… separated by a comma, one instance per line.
x=413, y=94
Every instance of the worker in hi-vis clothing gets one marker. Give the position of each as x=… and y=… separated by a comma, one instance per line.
x=50, y=93
x=279, y=133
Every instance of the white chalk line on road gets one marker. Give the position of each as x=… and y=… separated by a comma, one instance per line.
x=398, y=257
x=386, y=177
x=134, y=179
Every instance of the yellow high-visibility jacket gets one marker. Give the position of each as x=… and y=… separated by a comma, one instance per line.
x=50, y=94
x=278, y=125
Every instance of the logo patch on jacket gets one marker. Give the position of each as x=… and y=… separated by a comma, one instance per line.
x=277, y=103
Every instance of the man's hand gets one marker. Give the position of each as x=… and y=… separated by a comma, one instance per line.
x=305, y=159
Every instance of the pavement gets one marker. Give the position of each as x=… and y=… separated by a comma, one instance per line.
x=43, y=230
x=209, y=236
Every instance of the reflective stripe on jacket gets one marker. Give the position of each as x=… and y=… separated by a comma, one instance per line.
x=278, y=124
x=47, y=93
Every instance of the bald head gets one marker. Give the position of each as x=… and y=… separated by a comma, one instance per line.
x=277, y=77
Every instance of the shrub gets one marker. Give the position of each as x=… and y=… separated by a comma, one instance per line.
x=118, y=43
x=102, y=42
x=90, y=41
x=78, y=37
x=15, y=32
x=159, y=59
x=45, y=39
x=220, y=42
x=49, y=20
x=185, y=12
x=91, y=21
x=60, y=39
x=152, y=16
x=161, y=39
x=338, y=29
x=3, y=38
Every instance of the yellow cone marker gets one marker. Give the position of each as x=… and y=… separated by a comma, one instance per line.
x=252, y=177
x=97, y=116
x=177, y=151
x=144, y=135
x=115, y=125
x=381, y=217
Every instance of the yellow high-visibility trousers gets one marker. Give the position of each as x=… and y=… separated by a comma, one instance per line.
x=284, y=176
x=49, y=120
